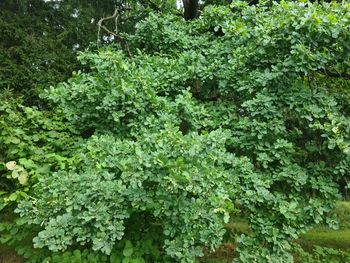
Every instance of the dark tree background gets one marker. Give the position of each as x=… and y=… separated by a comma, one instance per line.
x=39, y=40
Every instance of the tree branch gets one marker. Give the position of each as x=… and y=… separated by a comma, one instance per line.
x=151, y=4
x=328, y=73
x=115, y=34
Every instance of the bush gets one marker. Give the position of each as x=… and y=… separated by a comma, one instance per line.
x=126, y=190
x=321, y=255
x=238, y=109
x=33, y=144
x=343, y=213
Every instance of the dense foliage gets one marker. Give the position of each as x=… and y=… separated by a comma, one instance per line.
x=33, y=143
x=322, y=255
x=39, y=40
x=243, y=110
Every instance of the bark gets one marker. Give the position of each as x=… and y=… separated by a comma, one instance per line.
x=190, y=9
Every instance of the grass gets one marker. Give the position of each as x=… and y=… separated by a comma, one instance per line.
x=318, y=236
x=338, y=239
x=239, y=226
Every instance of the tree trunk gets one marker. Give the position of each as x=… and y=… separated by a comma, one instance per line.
x=190, y=9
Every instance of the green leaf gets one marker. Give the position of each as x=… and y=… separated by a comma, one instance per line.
x=128, y=249
x=115, y=258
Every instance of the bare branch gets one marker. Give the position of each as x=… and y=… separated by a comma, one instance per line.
x=115, y=34
x=328, y=73
x=151, y=4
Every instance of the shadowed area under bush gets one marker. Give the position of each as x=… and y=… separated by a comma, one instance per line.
x=9, y=256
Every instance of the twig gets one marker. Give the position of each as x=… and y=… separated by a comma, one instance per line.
x=328, y=73
x=151, y=4
x=309, y=81
x=116, y=24
x=115, y=34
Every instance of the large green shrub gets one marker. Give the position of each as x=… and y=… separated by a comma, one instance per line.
x=246, y=107
x=179, y=186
